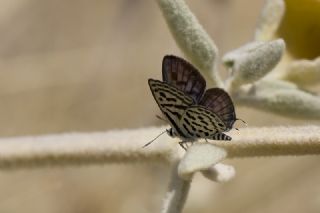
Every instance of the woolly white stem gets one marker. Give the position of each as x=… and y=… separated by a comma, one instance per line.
x=126, y=146
x=86, y=148
x=273, y=141
x=177, y=193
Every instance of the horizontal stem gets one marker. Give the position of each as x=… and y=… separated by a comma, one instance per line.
x=273, y=141
x=125, y=146
x=84, y=148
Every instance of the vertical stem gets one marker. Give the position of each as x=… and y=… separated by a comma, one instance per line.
x=177, y=193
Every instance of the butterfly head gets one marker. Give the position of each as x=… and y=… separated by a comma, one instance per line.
x=171, y=132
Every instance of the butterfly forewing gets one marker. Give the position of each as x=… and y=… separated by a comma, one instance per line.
x=183, y=76
x=219, y=102
x=198, y=122
x=171, y=101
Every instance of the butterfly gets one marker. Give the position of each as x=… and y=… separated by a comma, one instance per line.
x=191, y=111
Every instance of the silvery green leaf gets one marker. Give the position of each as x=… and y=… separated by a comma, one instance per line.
x=270, y=19
x=273, y=84
x=304, y=72
x=281, y=98
x=199, y=157
x=220, y=172
x=253, y=61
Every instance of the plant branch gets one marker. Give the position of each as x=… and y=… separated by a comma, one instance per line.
x=177, y=193
x=123, y=146
x=117, y=146
x=273, y=141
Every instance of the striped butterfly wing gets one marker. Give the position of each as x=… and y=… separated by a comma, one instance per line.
x=184, y=76
x=199, y=122
x=171, y=101
x=219, y=102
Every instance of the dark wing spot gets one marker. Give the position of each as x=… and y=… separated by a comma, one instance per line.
x=204, y=122
x=196, y=124
x=171, y=99
x=186, y=120
x=185, y=127
x=206, y=128
x=190, y=116
x=162, y=94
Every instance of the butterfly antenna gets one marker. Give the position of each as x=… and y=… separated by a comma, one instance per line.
x=239, y=119
x=147, y=144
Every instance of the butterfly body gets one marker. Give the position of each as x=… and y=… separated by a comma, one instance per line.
x=192, y=112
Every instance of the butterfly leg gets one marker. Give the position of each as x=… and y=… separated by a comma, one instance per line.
x=161, y=118
x=221, y=137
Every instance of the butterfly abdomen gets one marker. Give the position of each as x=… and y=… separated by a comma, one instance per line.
x=221, y=137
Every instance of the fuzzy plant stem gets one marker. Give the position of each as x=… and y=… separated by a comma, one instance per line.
x=273, y=141
x=176, y=194
x=125, y=146
x=76, y=149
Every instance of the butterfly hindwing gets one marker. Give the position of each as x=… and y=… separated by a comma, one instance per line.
x=219, y=102
x=184, y=76
x=198, y=122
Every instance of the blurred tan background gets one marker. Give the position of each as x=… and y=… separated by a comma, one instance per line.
x=70, y=65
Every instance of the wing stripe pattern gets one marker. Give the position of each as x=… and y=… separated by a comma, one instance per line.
x=163, y=91
x=187, y=129
x=205, y=115
x=175, y=126
x=175, y=106
x=174, y=113
x=202, y=122
x=171, y=101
